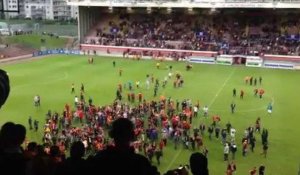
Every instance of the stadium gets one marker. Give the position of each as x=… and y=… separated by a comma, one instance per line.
x=209, y=87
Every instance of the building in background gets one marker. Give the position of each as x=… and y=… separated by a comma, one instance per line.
x=10, y=5
x=40, y=9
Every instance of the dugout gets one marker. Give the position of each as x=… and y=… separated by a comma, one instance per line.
x=239, y=60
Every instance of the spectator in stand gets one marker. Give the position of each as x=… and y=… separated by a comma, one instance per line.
x=121, y=159
x=12, y=159
x=75, y=164
x=198, y=164
x=227, y=36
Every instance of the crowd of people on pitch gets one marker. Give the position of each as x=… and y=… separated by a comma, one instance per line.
x=126, y=136
x=225, y=34
x=154, y=124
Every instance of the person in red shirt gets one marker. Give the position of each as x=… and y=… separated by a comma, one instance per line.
x=261, y=92
x=216, y=118
x=129, y=97
x=245, y=146
x=255, y=92
x=132, y=97
x=242, y=94
x=140, y=96
x=161, y=144
x=120, y=87
x=253, y=171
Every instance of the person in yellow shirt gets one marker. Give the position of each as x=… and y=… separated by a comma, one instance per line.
x=157, y=65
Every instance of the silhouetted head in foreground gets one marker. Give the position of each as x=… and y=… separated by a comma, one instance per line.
x=4, y=87
x=77, y=150
x=122, y=132
x=12, y=135
x=198, y=164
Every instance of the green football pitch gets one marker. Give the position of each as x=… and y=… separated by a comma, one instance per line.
x=212, y=85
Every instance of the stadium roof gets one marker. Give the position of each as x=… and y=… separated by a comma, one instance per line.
x=190, y=3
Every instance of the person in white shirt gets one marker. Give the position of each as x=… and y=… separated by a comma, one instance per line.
x=195, y=111
x=76, y=100
x=232, y=132
x=205, y=110
x=37, y=101
x=147, y=83
x=226, y=151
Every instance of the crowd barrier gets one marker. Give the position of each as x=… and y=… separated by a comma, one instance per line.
x=278, y=65
x=204, y=57
x=154, y=51
x=204, y=60
x=56, y=51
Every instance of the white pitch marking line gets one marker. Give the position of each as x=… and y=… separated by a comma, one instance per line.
x=222, y=87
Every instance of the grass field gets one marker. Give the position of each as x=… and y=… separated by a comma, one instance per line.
x=212, y=85
x=34, y=41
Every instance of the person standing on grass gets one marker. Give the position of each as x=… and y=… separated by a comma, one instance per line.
x=72, y=88
x=233, y=149
x=265, y=150
x=261, y=93
x=255, y=92
x=228, y=127
x=252, y=143
x=257, y=125
x=231, y=168
x=36, y=125
x=242, y=94
x=37, y=101
x=157, y=65
x=30, y=122
x=205, y=111
x=76, y=101
x=261, y=170
x=210, y=131
x=234, y=92
x=155, y=91
x=260, y=80
x=140, y=97
x=270, y=108
x=82, y=87
x=253, y=171
x=158, y=154
x=232, y=106
x=226, y=151
x=195, y=111
x=255, y=81
x=114, y=64
x=245, y=146
x=137, y=84
x=147, y=83
x=120, y=72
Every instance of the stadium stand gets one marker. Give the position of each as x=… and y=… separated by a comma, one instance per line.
x=226, y=31
x=15, y=50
